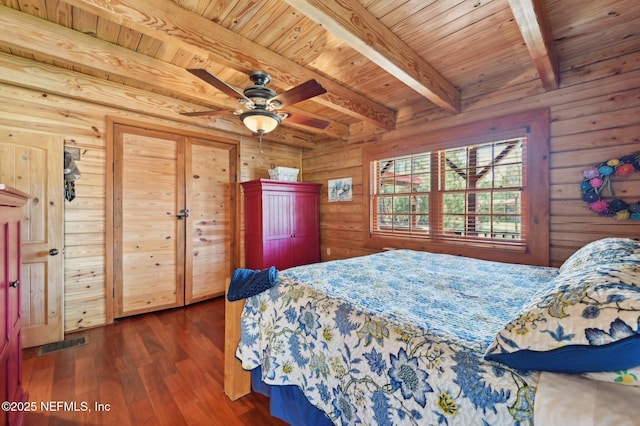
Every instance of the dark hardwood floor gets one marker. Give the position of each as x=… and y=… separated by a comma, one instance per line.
x=163, y=368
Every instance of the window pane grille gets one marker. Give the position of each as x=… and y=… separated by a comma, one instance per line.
x=401, y=195
x=466, y=192
x=482, y=190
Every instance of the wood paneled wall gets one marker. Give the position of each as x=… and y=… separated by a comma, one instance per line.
x=595, y=116
x=82, y=125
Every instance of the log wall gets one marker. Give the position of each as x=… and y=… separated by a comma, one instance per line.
x=82, y=125
x=595, y=116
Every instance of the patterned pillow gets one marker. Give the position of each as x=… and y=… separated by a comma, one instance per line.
x=630, y=376
x=600, y=252
x=589, y=321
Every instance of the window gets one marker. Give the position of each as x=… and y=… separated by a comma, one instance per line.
x=473, y=188
x=401, y=197
x=480, y=191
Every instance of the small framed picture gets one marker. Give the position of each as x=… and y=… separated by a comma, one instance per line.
x=340, y=189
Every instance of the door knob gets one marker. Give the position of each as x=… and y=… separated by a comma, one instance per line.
x=53, y=252
x=14, y=284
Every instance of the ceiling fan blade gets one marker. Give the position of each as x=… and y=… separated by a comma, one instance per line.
x=205, y=76
x=201, y=113
x=307, y=121
x=300, y=93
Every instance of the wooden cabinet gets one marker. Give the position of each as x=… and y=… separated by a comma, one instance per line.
x=281, y=223
x=11, y=202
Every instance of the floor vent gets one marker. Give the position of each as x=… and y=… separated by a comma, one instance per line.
x=65, y=344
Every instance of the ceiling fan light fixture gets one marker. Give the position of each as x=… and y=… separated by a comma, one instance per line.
x=260, y=105
x=260, y=121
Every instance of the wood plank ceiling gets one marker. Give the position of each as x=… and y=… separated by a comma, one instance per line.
x=384, y=63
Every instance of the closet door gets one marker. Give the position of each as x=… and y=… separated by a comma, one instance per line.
x=174, y=209
x=149, y=232
x=209, y=180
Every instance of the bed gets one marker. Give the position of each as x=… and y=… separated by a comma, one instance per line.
x=408, y=337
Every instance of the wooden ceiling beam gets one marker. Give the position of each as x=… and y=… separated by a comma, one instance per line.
x=349, y=21
x=52, y=80
x=531, y=17
x=172, y=24
x=46, y=39
x=22, y=72
x=40, y=37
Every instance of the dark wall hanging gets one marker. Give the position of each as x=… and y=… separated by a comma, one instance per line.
x=71, y=173
x=597, y=180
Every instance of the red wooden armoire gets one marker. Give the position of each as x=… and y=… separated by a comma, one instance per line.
x=11, y=392
x=282, y=224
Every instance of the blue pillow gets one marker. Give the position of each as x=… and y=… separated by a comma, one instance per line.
x=619, y=355
x=588, y=321
x=249, y=282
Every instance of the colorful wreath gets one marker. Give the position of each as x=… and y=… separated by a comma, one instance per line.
x=599, y=176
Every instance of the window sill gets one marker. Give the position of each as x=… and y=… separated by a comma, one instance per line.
x=488, y=250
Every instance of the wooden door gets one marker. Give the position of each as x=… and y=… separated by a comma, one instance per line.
x=209, y=180
x=33, y=163
x=148, y=232
x=173, y=219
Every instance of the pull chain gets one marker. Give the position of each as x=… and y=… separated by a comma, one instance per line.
x=261, y=152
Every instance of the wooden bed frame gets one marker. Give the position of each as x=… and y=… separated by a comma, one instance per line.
x=237, y=381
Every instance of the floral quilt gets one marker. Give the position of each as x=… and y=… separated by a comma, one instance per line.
x=395, y=338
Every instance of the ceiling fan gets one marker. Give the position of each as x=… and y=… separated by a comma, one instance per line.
x=260, y=105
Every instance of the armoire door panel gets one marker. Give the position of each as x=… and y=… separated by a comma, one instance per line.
x=253, y=233
x=277, y=207
x=306, y=244
x=4, y=299
x=11, y=390
x=12, y=350
x=278, y=253
x=306, y=219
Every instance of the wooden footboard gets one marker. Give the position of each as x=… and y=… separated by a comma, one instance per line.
x=237, y=382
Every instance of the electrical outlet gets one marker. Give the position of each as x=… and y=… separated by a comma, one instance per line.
x=328, y=251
